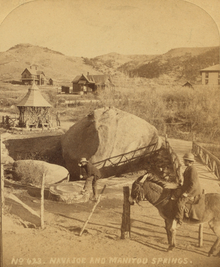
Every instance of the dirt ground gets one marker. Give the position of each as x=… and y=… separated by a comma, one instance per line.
x=59, y=244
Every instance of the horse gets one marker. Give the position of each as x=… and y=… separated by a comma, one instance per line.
x=160, y=195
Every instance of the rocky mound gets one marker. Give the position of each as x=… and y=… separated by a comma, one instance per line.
x=31, y=172
x=105, y=133
x=6, y=159
x=68, y=193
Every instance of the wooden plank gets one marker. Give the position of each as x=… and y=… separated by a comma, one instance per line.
x=212, y=162
x=93, y=209
x=201, y=235
x=126, y=225
x=2, y=204
x=142, y=148
x=42, y=202
x=209, y=153
x=201, y=229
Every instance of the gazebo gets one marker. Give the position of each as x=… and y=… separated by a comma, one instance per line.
x=34, y=109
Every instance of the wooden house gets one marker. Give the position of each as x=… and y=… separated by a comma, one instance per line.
x=33, y=74
x=66, y=87
x=211, y=75
x=91, y=83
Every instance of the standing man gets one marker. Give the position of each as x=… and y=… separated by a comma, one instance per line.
x=190, y=188
x=58, y=118
x=84, y=90
x=92, y=174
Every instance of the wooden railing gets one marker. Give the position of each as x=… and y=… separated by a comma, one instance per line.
x=212, y=162
x=9, y=121
x=175, y=161
x=127, y=157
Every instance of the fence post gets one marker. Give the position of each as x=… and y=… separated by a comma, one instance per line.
x=201, y=235
x=42, y=203
x=166, y=141
x=2, y=204
x=201, y=229
x=125, y=225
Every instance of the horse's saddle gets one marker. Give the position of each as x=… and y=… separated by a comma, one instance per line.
x=195, y=207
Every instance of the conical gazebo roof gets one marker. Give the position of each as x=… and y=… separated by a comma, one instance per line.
x=33, y=98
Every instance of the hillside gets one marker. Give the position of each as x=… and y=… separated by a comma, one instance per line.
x=54, y=64
x=180, y=63
x=112, y=62
x=176, y=65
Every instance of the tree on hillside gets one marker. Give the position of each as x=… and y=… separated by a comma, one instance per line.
x=192, y=66
x=186, y=66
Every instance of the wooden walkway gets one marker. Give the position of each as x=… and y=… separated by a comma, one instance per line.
x=208, y=180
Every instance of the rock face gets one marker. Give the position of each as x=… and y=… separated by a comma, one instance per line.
x=68, y=193
x=45, y=148
x=103, y=134
x=31, y=172
x=6, y=159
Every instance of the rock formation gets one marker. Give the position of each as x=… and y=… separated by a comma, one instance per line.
x=31, y=172
x=105, y=133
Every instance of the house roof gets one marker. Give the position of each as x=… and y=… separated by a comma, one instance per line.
x=187, y=84
x=76, y=79
x=212, y=68
x=33, y=71
x=97, y=79
x=33, y=98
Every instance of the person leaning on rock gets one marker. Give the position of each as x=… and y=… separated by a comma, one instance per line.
x=190, y=188
x=92, y=174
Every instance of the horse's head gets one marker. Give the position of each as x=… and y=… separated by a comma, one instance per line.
x=137, y=192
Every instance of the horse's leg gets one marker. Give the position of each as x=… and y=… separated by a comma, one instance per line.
x=171, y=234
x=215, y=226
x=173, y=237
x=168, y=232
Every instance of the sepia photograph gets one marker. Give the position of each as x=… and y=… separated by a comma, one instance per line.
x=110, y=133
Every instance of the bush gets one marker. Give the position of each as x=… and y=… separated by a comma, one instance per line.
x=147, y=105
x=178, y=109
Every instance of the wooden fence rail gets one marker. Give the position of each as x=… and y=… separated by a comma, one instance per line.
x=175, y=161
x=127, y=157
x=207, y=158
x=1, y=204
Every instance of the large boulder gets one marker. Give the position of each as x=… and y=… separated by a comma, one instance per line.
x=105, y=133
x=31, y=172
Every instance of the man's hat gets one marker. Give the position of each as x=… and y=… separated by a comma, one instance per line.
x=83, y=160
x=189, y=156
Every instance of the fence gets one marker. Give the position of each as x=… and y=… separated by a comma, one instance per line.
x=9, y=121
x=207, y=158
x=175, y=161
x=127, y=157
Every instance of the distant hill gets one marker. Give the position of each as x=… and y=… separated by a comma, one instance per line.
x=112, y=62
x=54, y=64
x=177, y=64
x=180, y=63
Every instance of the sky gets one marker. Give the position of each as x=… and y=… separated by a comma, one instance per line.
x=90, y=28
